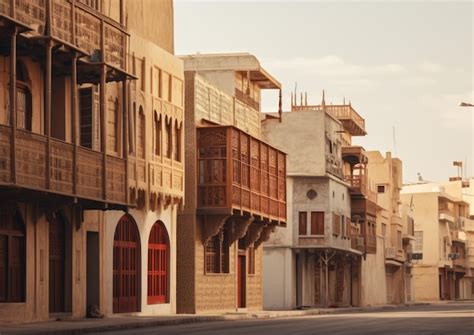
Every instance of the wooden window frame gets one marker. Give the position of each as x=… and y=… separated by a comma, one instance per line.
x=317, y=226
x=220, y=256
x=302, y=223
x=336, y=224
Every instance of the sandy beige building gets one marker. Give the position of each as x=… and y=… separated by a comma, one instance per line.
x=441, y=218
x=235, y=185
x=330, y=229
x=89, y=203
x=395, y=232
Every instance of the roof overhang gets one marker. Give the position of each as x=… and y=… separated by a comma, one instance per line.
x=237, y=62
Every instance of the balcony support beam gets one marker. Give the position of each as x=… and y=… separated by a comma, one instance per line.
x=47, y=108
x=240, y=226
x=212, y=224
x=74, y=120
x=103, y=111
x=253, y=234
x=13, y=102
x=264, y=235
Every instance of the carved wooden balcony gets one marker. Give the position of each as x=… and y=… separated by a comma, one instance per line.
x=239, y=174
x=371, y=244
x=82, y=180
x=357, y=184
x=73, y=24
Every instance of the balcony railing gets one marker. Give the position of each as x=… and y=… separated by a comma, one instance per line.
x=74, y=24
x=358, y=184
x=241, y=96
x=394, y=254
x=239, y=172
x=83, y=180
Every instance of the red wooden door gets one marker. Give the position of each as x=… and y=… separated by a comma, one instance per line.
x=126, y=267
x=241, y=275
x=158, y=264
x=57, y=255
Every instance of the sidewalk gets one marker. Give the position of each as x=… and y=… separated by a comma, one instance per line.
x=115, y=323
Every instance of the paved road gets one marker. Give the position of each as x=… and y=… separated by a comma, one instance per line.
x=440, y=319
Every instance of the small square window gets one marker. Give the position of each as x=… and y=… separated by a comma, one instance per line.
x=381, y=189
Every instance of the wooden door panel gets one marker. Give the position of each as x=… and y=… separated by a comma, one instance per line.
x=56, y=265
x=126, y=267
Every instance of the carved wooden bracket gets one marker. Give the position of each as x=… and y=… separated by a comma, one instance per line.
x=212, y=224
x=265, y=235
x=240, y=225
x=253, y=234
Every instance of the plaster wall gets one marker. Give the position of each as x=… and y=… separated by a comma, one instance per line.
x=373, y=277
x=279, y=290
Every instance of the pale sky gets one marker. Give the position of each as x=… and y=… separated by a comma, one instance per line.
x=402, y=64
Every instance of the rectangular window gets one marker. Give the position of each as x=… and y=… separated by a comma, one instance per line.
x=85, y=116
x=384, y=229
x=418, y=247
x=399, y=239
x=336, y=224
x=216, y=253
x=381, y=188
x=317, y=223
x=303, y=223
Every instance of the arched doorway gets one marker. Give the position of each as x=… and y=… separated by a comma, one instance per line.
x=126, y=267
x=158, y=264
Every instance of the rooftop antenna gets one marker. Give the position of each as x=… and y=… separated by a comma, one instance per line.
x=323, y=102
x=420, y=178
x=279, y=105
x=296, y=86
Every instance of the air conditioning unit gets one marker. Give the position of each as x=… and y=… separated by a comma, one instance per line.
x=416, y=256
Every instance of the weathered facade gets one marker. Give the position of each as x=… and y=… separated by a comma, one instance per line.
x=235, y=185
x=79, y=93
x=442, y=257
x=316, y=260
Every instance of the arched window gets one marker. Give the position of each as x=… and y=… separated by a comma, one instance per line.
x=23, y=98
x=12, y=256
x=126, y=267
x=177, y=142
x=158, y=125
x=168, y=137
x=158, y=264
x=216, y=253
x=141, y=133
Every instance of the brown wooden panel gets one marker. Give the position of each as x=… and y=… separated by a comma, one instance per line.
x=302, y=223
x=317, y=223
x=57, y=255
x=158, y=264
x=126, y=267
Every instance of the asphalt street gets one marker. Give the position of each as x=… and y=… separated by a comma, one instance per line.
x=452, y=318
